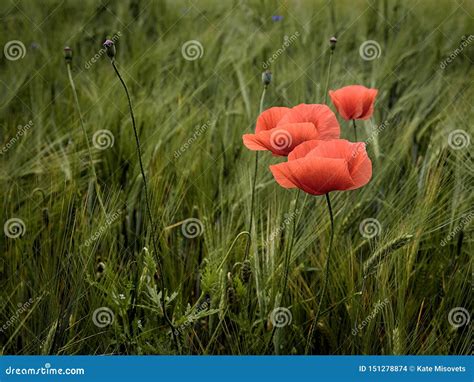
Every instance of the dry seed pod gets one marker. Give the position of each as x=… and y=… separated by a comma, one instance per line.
x=100, y=269
x=231, y=298
x=246, y=271
x=266, y=77
x=109, y=48
x=67, y=54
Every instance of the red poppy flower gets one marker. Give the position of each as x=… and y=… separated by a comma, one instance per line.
x=354, y=101
x=318, y=167
x=270, y=118
x=280, y=129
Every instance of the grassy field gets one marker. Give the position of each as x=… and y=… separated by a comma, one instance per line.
x=78, y=277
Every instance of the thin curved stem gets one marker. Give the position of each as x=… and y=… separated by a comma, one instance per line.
x=254, y=183
x=231, y=247
x=150, y=216
x=328, y=76
x=326, y=276
x=83, y=127
x=355, y=129
x=262, y=99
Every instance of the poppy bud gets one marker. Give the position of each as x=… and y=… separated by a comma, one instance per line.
x=109, y=48
x=68, y=54
x=266, y=77
x=332, y=42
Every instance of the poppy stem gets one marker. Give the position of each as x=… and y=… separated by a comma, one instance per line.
x=262, y=99
x=83, y=127
x=328, y=76
x=326, y=277
x=158, y=259
x=355, y=129
x=254, y=183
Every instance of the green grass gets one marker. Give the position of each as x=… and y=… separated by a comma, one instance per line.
x=404, y=279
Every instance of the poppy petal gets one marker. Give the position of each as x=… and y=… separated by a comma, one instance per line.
x=344, y=105
x=303, y=149
x=360, y=166
x=335, y=148
x=285, y=137
x=368, y=103
x=281, y=175
x=252, y=142
x=270, y=118
x=314, y=175
x=354, y=101
x=320, y=115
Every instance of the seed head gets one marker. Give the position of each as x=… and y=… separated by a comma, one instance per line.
x=333, y=42
x=109, y=48
x=266, y=77
x=231, y=294
x=246, y=271
x=68, y=54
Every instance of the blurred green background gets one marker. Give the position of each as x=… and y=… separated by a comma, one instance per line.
x=76, y=280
